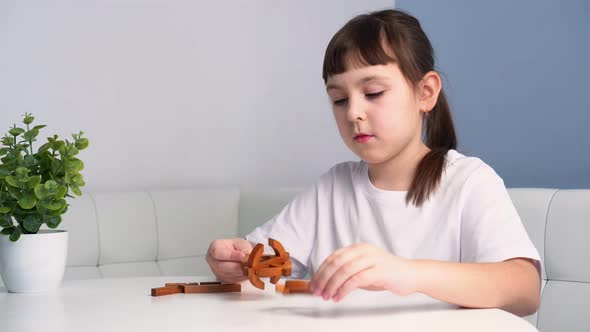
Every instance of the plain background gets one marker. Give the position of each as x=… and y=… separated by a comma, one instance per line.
x=183, y=93
x=517, y=76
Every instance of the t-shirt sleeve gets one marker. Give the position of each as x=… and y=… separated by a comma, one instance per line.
x=491, y=229
x=295, y=228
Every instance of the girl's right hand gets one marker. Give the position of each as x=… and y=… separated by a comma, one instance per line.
x=225, y=258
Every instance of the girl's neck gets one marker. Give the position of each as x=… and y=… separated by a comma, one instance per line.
x=397, y=173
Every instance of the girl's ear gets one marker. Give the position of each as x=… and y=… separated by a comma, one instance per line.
x=430, y=86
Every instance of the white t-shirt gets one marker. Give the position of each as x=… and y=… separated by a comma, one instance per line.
x=469, y=218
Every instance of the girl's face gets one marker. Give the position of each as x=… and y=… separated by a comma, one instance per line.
x=377, y=112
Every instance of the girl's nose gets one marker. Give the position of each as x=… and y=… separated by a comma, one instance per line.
x=356, y=111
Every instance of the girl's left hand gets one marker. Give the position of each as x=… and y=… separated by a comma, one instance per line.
x=363, y=266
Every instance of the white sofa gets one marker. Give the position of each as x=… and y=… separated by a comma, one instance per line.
x=152, y=233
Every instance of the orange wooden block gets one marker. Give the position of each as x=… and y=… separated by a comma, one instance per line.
x=212, y=288
x=254, y=279
x=269, y=272
x=272, y=262
x=287, y=268
x=297, y=286
x=209, y=283
x=277, y=247
x=255, y=255
x=161, y=291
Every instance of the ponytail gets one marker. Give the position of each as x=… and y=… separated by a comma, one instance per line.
x=440, y=138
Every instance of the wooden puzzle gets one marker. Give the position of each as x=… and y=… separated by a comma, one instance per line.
x=267, y=266
x=257, y=266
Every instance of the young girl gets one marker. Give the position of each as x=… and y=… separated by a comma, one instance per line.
x=414, y=215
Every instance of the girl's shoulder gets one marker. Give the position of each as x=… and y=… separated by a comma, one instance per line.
x=459, y=169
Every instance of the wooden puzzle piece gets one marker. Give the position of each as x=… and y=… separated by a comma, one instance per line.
x=293, y=287
x=195, y=287
x=212, y=288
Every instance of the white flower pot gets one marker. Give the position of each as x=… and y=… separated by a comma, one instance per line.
x=35, y=263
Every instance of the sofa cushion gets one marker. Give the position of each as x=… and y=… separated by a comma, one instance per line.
x=188, y=220
x=564, y=307
x=126, y=227
x=567, y=243
x=80, y=222
x=130, y=269
x=532, y=205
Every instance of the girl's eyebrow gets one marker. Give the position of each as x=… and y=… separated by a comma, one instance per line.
x=332, y=86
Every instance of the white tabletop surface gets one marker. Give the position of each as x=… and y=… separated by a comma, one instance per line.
x=125, y=304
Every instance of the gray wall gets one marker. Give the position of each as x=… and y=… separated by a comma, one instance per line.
x=178, y=92
x=518, y=79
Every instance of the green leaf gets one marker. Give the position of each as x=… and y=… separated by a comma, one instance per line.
x=81, y=144
x=7, y=231
x=78, y=180
x=73, y=165
x=33, y=181
x=50, y=185
x=31, y=134
x=44, y=147
x=55, y=205
x=4, y=171
x=13, y=181
x=41, y=192
x=53, y=221
x=28, y=201
x=22, y=172
x=39, y=127
x=15, y=234
x=55, y=166
x=28, y=119
x=32, y=223
x=76, y=190
x=14, y=192
x=16, y=131
x=5, y=209
x=5, y=221
x=61, y=191
x=4, y=151
x=30, y=160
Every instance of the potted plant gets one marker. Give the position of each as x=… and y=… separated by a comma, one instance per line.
x=33, y=191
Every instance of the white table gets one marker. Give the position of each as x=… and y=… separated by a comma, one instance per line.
x=126, y=305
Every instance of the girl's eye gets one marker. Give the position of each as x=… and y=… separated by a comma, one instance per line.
x=374, y=94
x=341, y=101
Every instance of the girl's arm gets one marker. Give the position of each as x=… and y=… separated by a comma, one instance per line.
x=512, y=285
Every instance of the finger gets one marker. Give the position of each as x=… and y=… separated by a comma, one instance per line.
x=223, y=250
x=355, y=281
x=344, y=273
x=242, y=245
x=330, y=266
x=227, y=268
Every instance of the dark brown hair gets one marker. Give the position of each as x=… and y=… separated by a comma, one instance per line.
x=365, y=40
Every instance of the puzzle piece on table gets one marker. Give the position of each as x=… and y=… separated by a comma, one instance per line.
x=196, y=287
x=267, y=266
x=293, y=287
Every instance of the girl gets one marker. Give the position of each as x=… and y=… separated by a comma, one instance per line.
x=414, y=215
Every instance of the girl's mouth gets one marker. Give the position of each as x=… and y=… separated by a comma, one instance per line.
x=362, y=138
